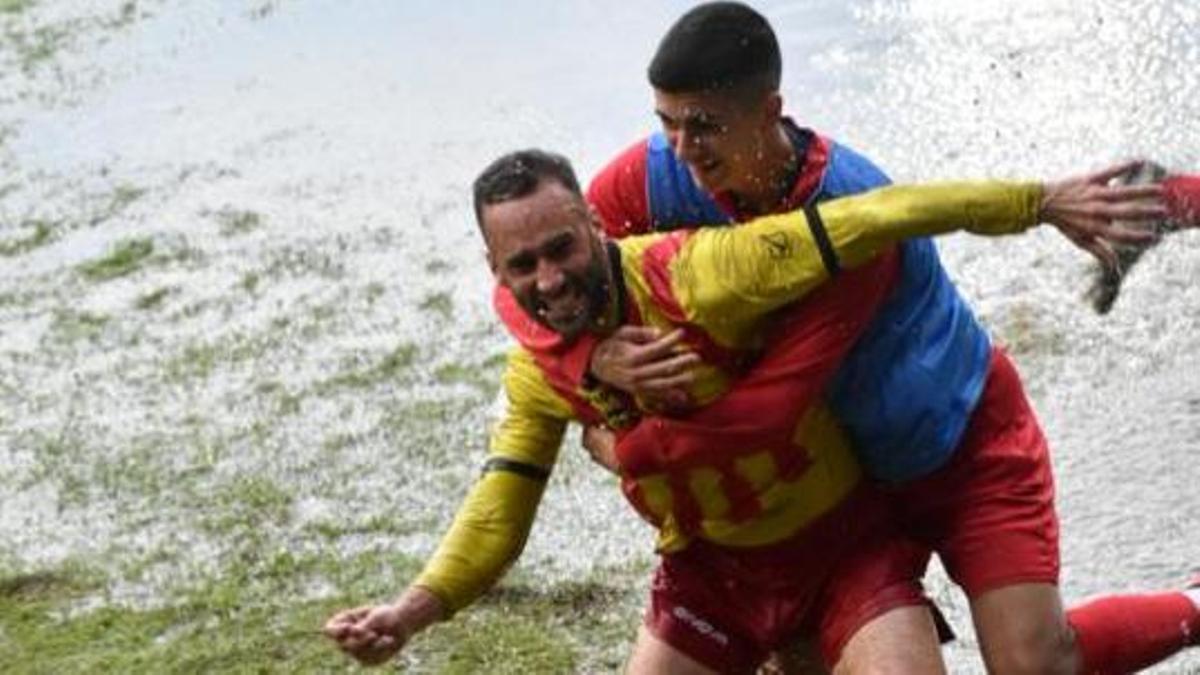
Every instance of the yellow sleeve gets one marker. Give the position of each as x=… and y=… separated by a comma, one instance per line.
x=861, y=226
x=727, y=279
x=491, y=526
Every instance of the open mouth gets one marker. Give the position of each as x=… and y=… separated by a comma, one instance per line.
x=562, y=310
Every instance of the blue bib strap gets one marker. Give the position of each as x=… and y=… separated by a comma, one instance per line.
x=848, y=173
x=675, y=199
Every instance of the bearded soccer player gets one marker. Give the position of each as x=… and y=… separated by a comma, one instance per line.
x=783, y=496
x=934, y=410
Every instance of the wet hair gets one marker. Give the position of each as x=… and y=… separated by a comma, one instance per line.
x=518, y=174
x=717, y=46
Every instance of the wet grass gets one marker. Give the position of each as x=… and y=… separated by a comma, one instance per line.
x=233, y=222
x=153, y=299
x=121, y=198
x=389, y=368
x=43, y=233
x=37, y=47
x=123, y=258
x=439, y=303
x=483, y=376
x=70, y=325
x=256, y=613
x=15, y=6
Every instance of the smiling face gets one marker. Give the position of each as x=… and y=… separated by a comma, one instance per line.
x=544, y=248
x=720, y=135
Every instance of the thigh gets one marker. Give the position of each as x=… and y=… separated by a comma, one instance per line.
x=902, y=640
x=1022, y=629
x=652, y=656
x=879, y=579
x=696, y=610
x=990, y=513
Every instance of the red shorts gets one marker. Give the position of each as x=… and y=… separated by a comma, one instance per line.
x=989, y=513
x=728, y=608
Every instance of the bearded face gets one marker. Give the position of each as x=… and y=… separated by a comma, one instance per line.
x=544, y=249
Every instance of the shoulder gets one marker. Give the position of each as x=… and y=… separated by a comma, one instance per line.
x=618, y=192
x=527, y=390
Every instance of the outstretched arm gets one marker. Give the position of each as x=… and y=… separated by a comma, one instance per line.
x=488, y=532
x=736, y=275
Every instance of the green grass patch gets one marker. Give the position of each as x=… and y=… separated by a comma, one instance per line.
x=189, y=639
x=246, y=504
x=36, y=47
x=122, y=259
x=387, y=524
x=285, y=402
x=438, y=266
x=153, y=299
x=249, y=282
x=43, y=233
x=249, y=617
x=197, y=361
x=439, y=303
x=15, y=6
x=69, y=325
x=234, y=222
x=65, y=582
x=390, y=368
x=374, y=291
x=498, y=644
x=122, y=196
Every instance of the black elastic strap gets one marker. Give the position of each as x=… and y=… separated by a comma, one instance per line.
x=817, y=227
x=618, y=279
x=520, y=468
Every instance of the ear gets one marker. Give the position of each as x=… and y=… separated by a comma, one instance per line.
x=491, y=261
x=596, y=220
x=773, y=107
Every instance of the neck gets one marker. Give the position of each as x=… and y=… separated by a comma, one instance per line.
x=770, y=186
x=612, y=316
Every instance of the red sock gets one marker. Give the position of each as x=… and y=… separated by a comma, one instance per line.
x=1124, y=633
x=1182, y=194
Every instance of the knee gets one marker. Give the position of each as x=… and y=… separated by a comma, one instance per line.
x=1034, y=653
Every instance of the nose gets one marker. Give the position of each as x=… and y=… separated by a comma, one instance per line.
x=549, y=277
x=686, y=145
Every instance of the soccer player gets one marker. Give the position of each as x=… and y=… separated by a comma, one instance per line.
x=790, y=497
x=935, y=411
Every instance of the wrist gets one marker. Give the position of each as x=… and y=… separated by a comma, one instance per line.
x=418, y=608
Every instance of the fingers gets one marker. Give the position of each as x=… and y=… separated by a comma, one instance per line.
x=1136, y=211
x=354, y=636
x=656, y=389
x=638, y=335
x=660, y=348
x=1120, y=193
x=673, y=371
x=1109, y=173
x=342, y=622
x=1102, y=250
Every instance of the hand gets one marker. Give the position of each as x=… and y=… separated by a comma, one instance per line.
x=372, y=635
x=601, y=444
x=643, y=362
x=1086, y=210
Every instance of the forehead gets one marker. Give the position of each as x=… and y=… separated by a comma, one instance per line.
x=526, y=222
x=706, y=104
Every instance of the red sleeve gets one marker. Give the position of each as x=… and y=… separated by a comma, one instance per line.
x=618, y=193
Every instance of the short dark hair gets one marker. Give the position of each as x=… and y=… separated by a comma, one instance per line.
x=518, y=174
x=717, y=46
